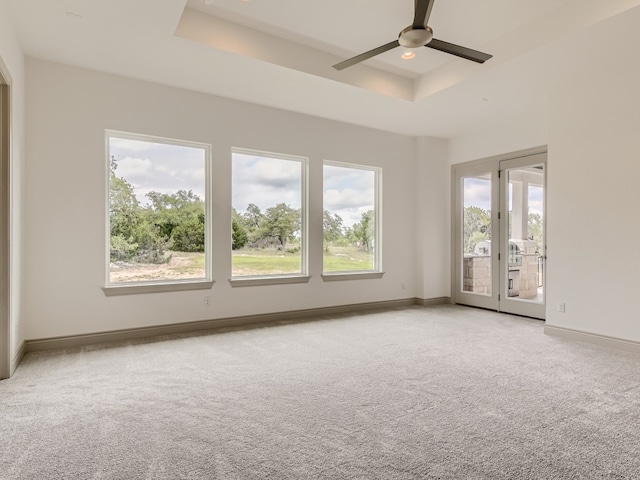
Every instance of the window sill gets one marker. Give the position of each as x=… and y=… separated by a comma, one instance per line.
x=141, y=288
x=272, y=280
x=341, y=276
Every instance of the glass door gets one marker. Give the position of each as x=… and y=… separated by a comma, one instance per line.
x=522, y=231
x=499, y=232
x=477, y=232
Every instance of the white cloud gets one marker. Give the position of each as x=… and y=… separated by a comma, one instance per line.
x=161, y=168
x=348, y=192
x=134, y=167
x=130, y=145
x=348, y=198
x=477, y=193
x=536, y=199
x=265, y=182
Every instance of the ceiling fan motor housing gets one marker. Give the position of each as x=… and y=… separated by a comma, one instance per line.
x=415, y=37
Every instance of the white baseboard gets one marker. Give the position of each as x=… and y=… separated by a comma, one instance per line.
x=72, y=341
x=594, y=338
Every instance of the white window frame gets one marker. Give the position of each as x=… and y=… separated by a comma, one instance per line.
x=377, y=271
x=165, y=285
x=285, y=278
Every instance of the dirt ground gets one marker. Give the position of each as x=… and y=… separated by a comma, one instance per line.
x=181, y=266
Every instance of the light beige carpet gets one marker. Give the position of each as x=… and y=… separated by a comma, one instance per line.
x=440, y=392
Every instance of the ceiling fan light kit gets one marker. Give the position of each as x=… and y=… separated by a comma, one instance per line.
x=416, y=35
x=408, y=55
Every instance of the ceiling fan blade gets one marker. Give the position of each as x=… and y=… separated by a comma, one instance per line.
x=422, y=13
x=364, y=56
x=458, y=51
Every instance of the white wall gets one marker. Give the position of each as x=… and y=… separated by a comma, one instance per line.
x=592, y=131
x=594, y=155
x=68, y=110
x=511, y=135
x=433, y=217
x=11, y=55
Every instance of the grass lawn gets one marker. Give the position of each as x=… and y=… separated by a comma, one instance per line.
x=270, y=262
x=264, y=262
x=346, y=259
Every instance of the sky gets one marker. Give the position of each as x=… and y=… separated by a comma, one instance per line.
x=159, y=167
x=349, y=192
x=477, y=193
x=265, y=182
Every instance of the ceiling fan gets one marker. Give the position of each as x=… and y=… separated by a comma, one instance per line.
x=418, y=34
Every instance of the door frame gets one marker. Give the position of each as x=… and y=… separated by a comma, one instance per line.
x=477, y=167
x=5, y=222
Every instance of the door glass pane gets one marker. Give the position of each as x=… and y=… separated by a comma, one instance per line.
x=525, y=278
x=476, y=231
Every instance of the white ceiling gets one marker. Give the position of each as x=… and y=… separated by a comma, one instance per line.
x=351, y=27
x=279, y=53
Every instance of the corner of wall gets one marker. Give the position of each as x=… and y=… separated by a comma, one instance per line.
x=432, y=217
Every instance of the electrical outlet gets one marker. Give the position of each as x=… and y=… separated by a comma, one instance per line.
x=562, y=307
x=207, y=301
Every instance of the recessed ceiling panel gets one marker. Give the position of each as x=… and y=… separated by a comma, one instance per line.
x=351, y=27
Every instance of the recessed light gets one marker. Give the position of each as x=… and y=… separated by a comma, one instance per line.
x=408, y=55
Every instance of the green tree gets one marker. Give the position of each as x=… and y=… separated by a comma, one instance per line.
x=122, y=249
x=253, y=221
x=124, y=208
x=280, y=222
x=152, y=246
x=188, y=235
x=180, y=200
x=124, y=216
x=179, y=219
x=476, y=227
x=364, y=231
x=332, y=228
x=239, y=237
x=349, y=236
x=168, y=211
x=536, y=230
x=253, y=217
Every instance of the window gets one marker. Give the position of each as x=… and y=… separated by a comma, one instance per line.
x=268, y=214
x=158, y=210
x=351, y=218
